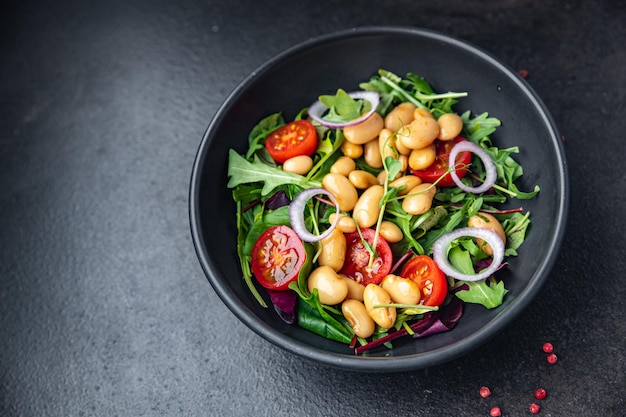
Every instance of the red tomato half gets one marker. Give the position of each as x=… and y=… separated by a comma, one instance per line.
x=277, y=257
x=440, y=166
x=357, y=258
x=293, y=139
x=426, y=274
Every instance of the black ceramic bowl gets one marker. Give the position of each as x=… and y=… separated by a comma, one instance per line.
x=294, y=79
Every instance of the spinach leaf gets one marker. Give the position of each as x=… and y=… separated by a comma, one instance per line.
x=312, y=316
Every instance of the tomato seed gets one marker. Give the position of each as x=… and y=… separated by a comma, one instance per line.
x=534, y=408
x=485, y=392
x=540, y=393
x=495, y=412
x=552, y=358
x=547, y=347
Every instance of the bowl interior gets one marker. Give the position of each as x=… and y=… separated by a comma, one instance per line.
x=292, y=81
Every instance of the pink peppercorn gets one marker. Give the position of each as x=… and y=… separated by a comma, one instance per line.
x=534, y=408
x=552, y=358
x=485, y=392
x=540, y=393
x=495, y=412
x=547, y=347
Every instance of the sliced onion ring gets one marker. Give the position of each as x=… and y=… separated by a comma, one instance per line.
x=490, y=167
x=296, y=214
x=317, y=110
x=441, y=245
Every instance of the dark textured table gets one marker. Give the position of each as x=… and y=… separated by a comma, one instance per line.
x=104, y=309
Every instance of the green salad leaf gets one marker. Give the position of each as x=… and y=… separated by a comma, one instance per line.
x=488, y=292
x=478, y=127
x=343, y=108
x=255, y=180
x=515, y=226
x=268, y=219
x=242, y=171
x=313, y=316
x=259, y=132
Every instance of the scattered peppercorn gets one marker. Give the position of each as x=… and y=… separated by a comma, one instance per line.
x=495, y=412
x=534, y=408
x=540, y=393
x=485, y=392
x=552, y=358
x=523, y=73
x=547, y=347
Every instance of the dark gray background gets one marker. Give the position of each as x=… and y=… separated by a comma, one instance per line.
x=104, y=309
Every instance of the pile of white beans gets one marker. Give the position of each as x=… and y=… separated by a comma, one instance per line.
x=407, y=134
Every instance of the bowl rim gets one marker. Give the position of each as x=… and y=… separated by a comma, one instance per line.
x=387, y=363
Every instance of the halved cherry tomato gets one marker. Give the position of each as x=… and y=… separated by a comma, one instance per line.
x=426, y=274
x=358, y=257
x=293, y=139
x=440, y=167
x=277, y=257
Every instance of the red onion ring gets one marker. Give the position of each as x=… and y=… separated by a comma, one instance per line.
x=296, y=214
x=317, y=110
x=441, y=245
x=490, y=167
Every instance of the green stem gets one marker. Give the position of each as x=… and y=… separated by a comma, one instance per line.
x=417, y=96
x=245, y=264
x=497, y=187
x=402, y=92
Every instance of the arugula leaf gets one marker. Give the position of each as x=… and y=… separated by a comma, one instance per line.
x=327, y=147
x=418, y=91
x=419, y=83
x=450, y=222
x=515, y=227
x=343, y=108
x=508, y=170
x=257, y=135
x=487, y=292
x=387, y=95
x=479, y=127
x=242, y=171
x=461, y=260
